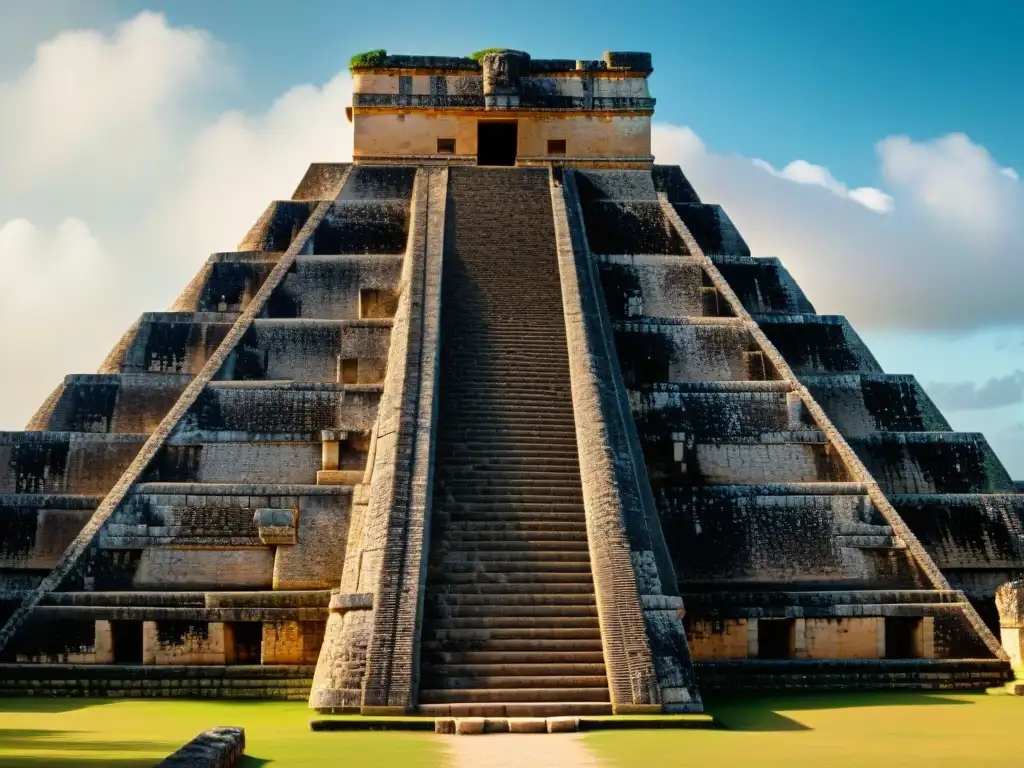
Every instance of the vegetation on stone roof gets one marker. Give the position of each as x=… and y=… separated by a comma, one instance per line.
x=372, y=58
x=479, y=55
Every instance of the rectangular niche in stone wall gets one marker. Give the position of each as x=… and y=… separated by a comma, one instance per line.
x=556, y=146
x=776, y=638
x=243, y=642
x=376, y=303
x=127, y=641
x=446, y=146
x=903, y=637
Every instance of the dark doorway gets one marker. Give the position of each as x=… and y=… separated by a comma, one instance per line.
x=776, y=638
x=496, y=142
x=902, y=637
x=127, y=637
x=245, y=641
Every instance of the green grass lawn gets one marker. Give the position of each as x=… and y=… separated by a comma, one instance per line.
x=856, y=729
x=122, y=733
x=870, y=729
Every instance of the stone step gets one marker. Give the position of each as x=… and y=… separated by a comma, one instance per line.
x=498, y=519
x=573, y=670
x=437, y=681
x=517, y=554
x=546, y=579
x=510, y=444
x=505, y=599
x=525, y=563
x=540, y=659
x=443, y=610
x=454, y=545
x=440, y=696
x=483, y=462
x=510, y=482
x=539, y=497
x=514, y=539
x=513, y=622
x=513, y=644
x=516, y=709
x=579, y=586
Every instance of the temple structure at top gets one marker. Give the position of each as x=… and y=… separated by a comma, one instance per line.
x=503, y=108
x=501, y=419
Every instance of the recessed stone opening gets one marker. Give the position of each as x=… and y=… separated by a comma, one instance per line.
x=556, y=146
x=776, y=638
x=446, y=146
x=127, y=641
x=348, y=370
x=243, y=642
x=903, y=637
x=377, y=303
x=497, y=142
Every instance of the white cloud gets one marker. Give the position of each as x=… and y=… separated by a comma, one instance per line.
x=55, y=310
x=1011, y=172
x=955, y=181
x=112, y=131
x=102, y=105
x=803, y=172
x=949, y=256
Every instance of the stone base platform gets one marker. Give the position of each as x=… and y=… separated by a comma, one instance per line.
x=792, y=675
x=479, y=725
x=280, y=682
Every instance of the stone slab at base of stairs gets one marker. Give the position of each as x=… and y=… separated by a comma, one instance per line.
x=467, y=726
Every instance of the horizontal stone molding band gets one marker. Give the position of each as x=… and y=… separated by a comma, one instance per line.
x=850, y=459
x=358, y=602
x=159, y=436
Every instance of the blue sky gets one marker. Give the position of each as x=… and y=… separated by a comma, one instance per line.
x=866, y=94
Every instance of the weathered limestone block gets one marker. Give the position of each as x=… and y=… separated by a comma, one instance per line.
x=204, y=569
x=315, y=561
x=66, y=641
x=717, y=638
x=320, y=182
x=125, y=403
x=227, y=283
x=292, y=642
x=762, y=285
x=276, y=526
x=64, y=462
x=341, y=287
x=36, y=529
x=183, y=642
x=844, y=638
x=278, y=226
x=1010, y=603
x=814, y=344
x=932, y=462
x=215, y=748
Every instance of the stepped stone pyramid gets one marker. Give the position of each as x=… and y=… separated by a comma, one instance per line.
x=498, y=419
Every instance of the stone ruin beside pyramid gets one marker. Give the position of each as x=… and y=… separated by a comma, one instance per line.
x=498, y=419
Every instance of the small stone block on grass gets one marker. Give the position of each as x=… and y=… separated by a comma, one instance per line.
x=527, y=725
x=563, y=724
x=469, y=726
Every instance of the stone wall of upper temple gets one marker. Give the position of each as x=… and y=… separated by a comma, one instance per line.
x=506, y=79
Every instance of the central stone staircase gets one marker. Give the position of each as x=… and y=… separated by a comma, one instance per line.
x=510, y=623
